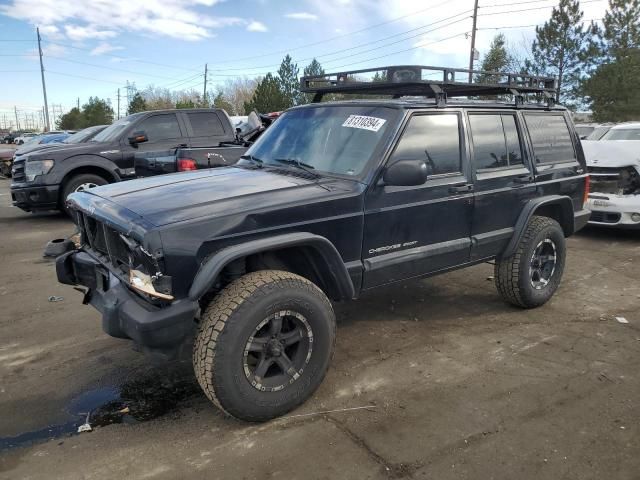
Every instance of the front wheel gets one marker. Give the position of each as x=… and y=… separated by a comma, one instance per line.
x=530, y=276
x=264, y=344
x=80, y=183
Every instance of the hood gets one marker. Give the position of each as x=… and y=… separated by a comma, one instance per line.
x=612, y=153
x=166, y=199
x=37, y=147
x=65, y=150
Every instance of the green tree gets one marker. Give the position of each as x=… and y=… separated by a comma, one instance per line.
x=561, y=48
x=268, y=97
x=72, y=120
x=220, y=101
x=137, y=104
x=613, y=89
x=621, y=29
x=497, y=59
x=289, y=82
x=96, y=112
x=186, y=103
x=314, y=68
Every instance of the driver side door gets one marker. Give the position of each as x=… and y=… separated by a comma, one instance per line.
x=411, y=231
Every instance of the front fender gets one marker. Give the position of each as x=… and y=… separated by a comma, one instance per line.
x=209, y=271
x=68, y=165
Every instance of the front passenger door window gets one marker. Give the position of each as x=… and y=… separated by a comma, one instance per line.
x=434, y=138
x=160, y=128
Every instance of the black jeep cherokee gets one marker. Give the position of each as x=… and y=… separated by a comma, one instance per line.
x=334, y=199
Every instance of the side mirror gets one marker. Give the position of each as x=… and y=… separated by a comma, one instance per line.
x=406, y=173
x=138, y=137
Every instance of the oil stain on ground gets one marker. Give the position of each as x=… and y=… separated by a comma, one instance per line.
x=146, y=396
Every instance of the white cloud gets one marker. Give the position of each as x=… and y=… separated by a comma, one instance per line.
x=78, y=33
x=105, y=47
x=255, y=26
x=102, y=19
x=302, y=16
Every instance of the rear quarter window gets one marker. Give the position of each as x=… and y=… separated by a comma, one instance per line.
x=550, y=137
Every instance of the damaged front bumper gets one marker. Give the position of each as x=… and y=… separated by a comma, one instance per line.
x=124, y=313
x=611, y=210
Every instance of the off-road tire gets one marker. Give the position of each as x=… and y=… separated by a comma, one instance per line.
x=512, y=274
x=72, y=184
x=228, y=323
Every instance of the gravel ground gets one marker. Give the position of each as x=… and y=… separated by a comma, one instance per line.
x=457, y=384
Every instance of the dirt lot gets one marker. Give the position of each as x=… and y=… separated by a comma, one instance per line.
x=457, y=384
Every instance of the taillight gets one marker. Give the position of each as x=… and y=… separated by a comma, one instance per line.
x=587, y=187
x=186, y=164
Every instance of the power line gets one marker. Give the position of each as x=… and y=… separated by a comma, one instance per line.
x=532, y=25
x=532, y=8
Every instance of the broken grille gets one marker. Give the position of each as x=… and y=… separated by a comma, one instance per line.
x=104, y=240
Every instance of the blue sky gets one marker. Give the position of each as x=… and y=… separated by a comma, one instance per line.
x=101, y=44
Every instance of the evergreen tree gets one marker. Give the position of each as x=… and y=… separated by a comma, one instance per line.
x=185, y=103
x=72, y=120
x=268, y=97
x=96, y=112
x=497, y=59
x=314, y=68
x=289, y=83
x=621, y=29
x=561, y=48
x=220, y=101
x=137, y=104
x=613, y=88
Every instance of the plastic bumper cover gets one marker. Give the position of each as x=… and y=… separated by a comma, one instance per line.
x=610, y=210
x=124, y=314
x=35, y=197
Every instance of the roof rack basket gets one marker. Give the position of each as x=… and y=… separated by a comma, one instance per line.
x=431, y=82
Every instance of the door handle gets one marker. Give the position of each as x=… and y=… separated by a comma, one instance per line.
x=523, y=179
x=461, y=188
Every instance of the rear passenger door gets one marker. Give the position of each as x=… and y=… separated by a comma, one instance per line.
x=411, y=231
x=504, y=179
x=208, y=129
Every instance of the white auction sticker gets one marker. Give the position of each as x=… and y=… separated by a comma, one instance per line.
x=366, y=123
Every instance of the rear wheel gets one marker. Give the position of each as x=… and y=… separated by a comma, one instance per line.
x=79, y=183
x=264, y=344
x=530, y=276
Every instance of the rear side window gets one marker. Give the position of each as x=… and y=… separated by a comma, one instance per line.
x=550, y=138
x=434, y=139
x=496, y=142
x=205, y=124
x=160, y=127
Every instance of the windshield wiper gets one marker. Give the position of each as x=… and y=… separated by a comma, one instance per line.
x=294, y=162
x=255, y=160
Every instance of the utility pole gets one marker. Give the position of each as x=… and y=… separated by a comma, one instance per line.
x=44, y=88
x=78, y=103
x=17, y=123
x=204, y=94
x=118, y=104
x=473, y=39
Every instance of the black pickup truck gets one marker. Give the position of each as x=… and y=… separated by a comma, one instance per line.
x=223, y=154
x=335, y=199
x=42, y=180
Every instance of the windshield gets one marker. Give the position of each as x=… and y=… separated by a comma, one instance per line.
x=114, y=130
x=332, y=139
x=598, y=132
x=83, y=135
x=622, y=134
x=583, y=131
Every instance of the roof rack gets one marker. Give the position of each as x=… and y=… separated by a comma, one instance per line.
x=431, y=82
